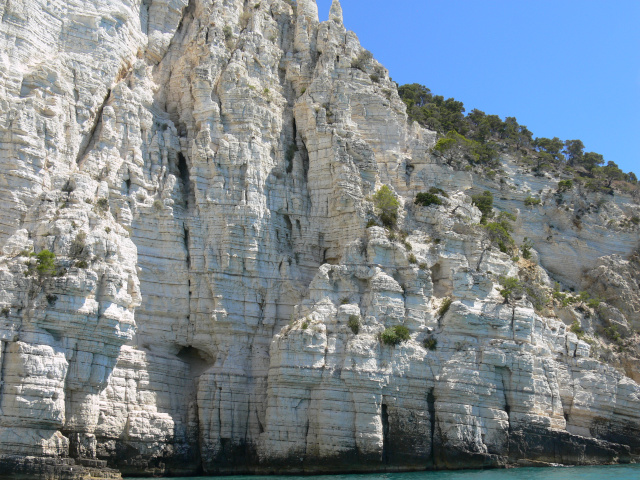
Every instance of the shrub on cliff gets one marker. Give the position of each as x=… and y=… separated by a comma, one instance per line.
x=500, y=232
x=484, y=202
x=395, y=335
x=387, y=206
x=354, y=323
x=46, y=263
x=361, y=61
x=427, y=199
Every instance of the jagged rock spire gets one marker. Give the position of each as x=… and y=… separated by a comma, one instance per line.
x=335, y=14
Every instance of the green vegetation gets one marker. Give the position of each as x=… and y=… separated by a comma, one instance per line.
x=102, y=205
x=511, y=287
x=430, y=343
x=45, y=265
x=565, y=185
x=78, y=245
x=526, y=249
x=427, y=199
x=500, y=231
x=611, y=332
x=444, y=308
x=577, y=329
x=361, y=61
x=484, y=202
x=387, y=206
x=354, y=324
x=227, y=32
x=477, y=138
x=412, y=258
x=305, y=325
x=395, y=335
x=532, y=201
x=372, y=223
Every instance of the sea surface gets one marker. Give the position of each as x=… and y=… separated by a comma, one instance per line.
x=613, y=472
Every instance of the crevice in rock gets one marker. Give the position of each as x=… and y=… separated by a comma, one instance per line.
x=384, y=416
x=144, y=16
x=481, y=256
x=513, y=322
x=304, y=156
x=3, y=354
x=89, y=140
x=408, y=171
x=183, y=169
x=431, y=407
x=186, y=247
x=182, y=25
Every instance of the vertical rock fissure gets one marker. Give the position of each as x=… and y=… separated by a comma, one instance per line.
x=384, y=414
x=186, y=248
x=3, y=354
x=90, y=139
x=183, y=169
x=431, y=407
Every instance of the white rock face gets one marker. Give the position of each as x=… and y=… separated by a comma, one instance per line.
x=203, y=173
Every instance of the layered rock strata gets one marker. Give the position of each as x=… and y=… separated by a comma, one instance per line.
x=203, y=173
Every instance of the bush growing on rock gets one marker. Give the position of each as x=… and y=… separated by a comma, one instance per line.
x=361, y=61
x=577, y=329
x=395, y=335
x=354, y=323
x=484, y=202
x=500, y=232
x=565, y=185
x=526, y=249
x=511, y=287
x=427, y=199
x=78, y=244
x=430, y=343
x=46, y=263
x=444, y=308
x=532, y=201
x=102, y=205
x=387, y=206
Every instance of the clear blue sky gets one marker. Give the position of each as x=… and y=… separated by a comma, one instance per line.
x=565, y=68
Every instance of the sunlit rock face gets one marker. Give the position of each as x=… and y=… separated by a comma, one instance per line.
x=203, y=173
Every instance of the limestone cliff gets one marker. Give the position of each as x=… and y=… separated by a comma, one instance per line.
x=203, y=172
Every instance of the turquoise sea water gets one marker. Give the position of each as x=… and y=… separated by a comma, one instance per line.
x=614, y=472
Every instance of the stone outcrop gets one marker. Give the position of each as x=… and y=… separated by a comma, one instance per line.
x=203, y=173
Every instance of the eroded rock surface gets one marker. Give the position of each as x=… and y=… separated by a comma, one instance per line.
x=203, y=172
